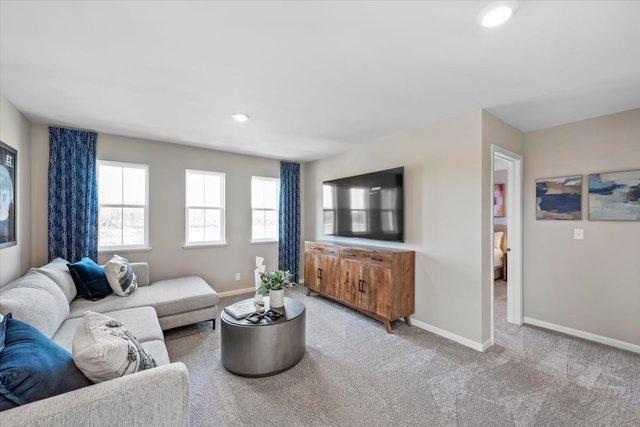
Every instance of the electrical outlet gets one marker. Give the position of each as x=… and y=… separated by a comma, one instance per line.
x=578, y=234
x=237, y=276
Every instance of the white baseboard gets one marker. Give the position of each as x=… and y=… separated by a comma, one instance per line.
x=236, y=292
x=451, y=336
x=582, y=334
x=488, y=343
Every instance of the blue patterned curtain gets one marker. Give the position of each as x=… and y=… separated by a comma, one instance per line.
x=289, y=254
x=73, y=195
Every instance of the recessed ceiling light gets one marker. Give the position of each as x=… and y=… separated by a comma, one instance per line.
x=497, y=13
x=240, y=117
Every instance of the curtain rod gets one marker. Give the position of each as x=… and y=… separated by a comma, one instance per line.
x=74, y=128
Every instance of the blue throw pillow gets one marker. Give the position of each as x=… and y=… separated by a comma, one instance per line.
x=32, y=367
x=90, y=280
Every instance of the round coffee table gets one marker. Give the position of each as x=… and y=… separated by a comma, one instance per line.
x=266, y=348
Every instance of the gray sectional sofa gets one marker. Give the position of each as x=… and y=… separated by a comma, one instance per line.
x=46, y=299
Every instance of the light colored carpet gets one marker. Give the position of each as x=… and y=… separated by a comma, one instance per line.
x=354, y=373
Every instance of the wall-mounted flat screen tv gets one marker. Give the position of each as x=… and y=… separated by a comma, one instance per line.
x=369, y=206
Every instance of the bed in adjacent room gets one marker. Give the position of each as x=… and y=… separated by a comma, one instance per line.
x=500, y=252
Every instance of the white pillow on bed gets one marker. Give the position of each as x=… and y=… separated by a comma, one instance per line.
x=497, y=239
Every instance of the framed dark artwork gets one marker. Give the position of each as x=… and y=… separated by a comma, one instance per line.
x=8, y=194
x=614, y=196
x=498, y=201
x=559, y=198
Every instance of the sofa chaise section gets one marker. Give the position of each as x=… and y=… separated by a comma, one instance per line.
x=177, y=302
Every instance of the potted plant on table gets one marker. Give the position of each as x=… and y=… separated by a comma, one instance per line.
x=274, y=283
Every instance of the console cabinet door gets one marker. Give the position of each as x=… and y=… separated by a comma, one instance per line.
x=376, y=288
x=311, y=271
x=350, y=276
x=329, y=274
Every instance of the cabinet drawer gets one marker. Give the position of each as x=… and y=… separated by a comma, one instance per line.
x=382, y=259
x=318, y=248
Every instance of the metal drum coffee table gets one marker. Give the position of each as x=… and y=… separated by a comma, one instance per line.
x=265, y=348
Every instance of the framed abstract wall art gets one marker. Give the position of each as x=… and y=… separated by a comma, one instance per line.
x=8, y=177
x=498, y=200
x=614, y=196
x=559, y=198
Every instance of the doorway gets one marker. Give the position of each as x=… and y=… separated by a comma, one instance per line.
x=506, y=237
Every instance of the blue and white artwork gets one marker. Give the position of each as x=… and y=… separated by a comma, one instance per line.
x=8, y=176
x=615, y=196
x=559, y=198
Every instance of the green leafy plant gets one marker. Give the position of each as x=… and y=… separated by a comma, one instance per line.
x=275, y=281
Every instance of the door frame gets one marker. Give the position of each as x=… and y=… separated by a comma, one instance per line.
x=514, y=234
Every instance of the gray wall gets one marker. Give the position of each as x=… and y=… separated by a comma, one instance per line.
x=494, y=132
x=442, y=213
x=167, y=164
x=14, y=131
x=591, y=285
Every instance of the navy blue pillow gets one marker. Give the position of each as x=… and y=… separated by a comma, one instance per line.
x=32, y=367
x=90, y=280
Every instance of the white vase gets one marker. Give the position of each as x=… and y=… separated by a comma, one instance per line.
x=259, y=299
x=276, y=299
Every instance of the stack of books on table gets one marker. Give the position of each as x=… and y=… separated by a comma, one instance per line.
x=242, y=309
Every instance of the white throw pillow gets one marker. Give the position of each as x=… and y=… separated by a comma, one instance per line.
x=120, y=276
x=497, y=239
x=103, y=349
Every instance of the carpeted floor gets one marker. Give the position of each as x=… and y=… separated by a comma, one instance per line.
x=354, y=373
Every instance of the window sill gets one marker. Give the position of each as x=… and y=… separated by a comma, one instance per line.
x=124, y=249
x=263, y=241
x=203, y=245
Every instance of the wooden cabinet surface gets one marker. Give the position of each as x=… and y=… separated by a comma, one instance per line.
x=376, y=281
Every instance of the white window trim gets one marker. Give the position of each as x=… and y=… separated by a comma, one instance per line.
x=128, y=248
x=223, y=212
x=265, y=240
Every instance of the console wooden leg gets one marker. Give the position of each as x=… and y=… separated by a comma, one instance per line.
x=407, y=320
x=308, y=292
x=387, y=326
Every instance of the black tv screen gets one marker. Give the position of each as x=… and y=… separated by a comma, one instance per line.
x=368, y=206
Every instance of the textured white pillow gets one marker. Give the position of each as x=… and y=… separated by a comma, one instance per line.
x=104, y=349
x=497, y=239
x=120, y=276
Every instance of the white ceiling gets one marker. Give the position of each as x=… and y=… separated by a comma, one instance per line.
x=316, y=77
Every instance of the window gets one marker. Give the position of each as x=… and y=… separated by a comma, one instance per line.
x=264, y=209
x=123, y=219
x=204, y=208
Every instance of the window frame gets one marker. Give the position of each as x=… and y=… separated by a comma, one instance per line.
x=125, y=248
x=277, y=209
x=223, y=211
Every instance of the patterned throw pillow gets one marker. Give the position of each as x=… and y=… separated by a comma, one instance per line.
x=103, y=349
x=120, y=276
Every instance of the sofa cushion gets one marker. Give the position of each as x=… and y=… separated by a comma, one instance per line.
x=141, y=321
x=36, y=300
x=58, y=271
x=91, y=282
x=104, y=349
x=32, y=367
x=158, y=351
x=168, y=297
x=120, y=276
